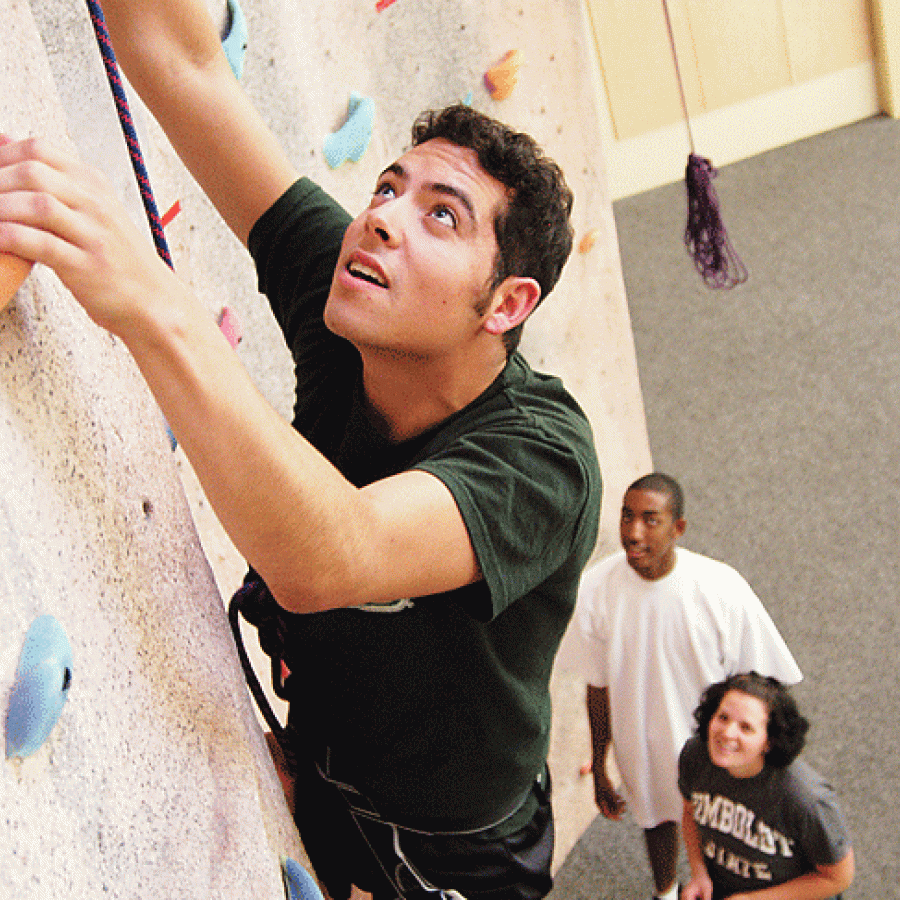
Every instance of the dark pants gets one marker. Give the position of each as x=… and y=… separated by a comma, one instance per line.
x=346, y=848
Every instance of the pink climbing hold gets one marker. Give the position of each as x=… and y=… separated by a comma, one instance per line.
x=230, y=326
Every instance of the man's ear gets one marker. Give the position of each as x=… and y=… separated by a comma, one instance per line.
x=511, y=304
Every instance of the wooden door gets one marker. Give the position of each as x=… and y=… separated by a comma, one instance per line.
x=756, y=74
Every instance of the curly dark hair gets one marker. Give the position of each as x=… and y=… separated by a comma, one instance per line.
x=534, y=235
x=786, y=728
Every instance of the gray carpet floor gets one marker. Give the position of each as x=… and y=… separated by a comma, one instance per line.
x=777, y=405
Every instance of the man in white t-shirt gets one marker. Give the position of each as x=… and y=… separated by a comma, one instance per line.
x=655, y=625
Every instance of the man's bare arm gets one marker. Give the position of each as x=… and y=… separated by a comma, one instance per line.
x=172, y=54
x=318, y=541
x=607, y=798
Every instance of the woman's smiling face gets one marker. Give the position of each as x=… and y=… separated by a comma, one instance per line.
x=738, y=737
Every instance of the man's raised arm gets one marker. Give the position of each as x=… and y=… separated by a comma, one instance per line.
x=171, y=52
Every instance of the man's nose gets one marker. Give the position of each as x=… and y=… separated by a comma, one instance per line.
x=384, y=222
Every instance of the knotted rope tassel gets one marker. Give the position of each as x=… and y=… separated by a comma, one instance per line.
x=704, y=235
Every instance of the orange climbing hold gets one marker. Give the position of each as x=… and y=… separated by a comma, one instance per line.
x=13, y=271
x=589, y=240
x=501, y=78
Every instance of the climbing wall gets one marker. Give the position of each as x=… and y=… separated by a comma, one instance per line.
x=155, y=780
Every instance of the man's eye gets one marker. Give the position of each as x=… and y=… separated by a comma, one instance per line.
x=444, y=214
x=383, y=190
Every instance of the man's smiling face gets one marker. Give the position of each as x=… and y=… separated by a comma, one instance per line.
x=415, y=266
x=649, y=532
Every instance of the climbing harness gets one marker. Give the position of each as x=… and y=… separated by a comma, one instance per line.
x=249, y=601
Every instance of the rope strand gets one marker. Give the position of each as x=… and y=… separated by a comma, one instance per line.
x=127, y=122
x=705, y=236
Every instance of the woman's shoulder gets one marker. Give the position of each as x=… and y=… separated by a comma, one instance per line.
x=806, y=791
x=693, y=753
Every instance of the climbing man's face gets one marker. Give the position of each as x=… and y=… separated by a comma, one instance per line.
x=415, y=266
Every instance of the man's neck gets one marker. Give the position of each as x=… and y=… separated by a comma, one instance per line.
x=410, y=396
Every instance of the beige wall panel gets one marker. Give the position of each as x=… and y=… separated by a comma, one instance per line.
x=636, y=62
x=886, y=29
x=825, y=36
x=739, y=55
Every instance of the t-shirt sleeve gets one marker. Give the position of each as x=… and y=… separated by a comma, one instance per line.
x=823, y=833
x=686, y=764
x=752, y=641
x=584, y=646
x=528, y=495
x=295, y=245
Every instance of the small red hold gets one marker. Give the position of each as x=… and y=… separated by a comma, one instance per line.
x=382, y=4
x=174, y=209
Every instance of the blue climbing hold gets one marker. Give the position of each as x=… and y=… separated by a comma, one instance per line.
x=351, y=141
x=236, y=38
x=40, y=689
x=298, y=883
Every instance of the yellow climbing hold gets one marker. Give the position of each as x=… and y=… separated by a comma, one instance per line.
x=589, y=239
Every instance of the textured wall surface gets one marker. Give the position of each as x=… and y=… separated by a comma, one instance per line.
x=155, y=782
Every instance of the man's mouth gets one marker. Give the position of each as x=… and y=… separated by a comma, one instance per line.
x=366, y=273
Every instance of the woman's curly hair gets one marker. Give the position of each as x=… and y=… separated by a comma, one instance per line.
x=786, y=727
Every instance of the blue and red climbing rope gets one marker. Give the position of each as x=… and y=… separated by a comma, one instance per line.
x=127, y=122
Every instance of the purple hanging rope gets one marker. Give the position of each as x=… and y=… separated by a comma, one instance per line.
x=128, y=129
x=704, y=235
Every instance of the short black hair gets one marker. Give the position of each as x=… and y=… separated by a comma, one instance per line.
x=786, y=728
x=534, y=234
x=662, y=484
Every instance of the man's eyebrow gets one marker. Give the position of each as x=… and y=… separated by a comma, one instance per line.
x=437, y=187
x=450, y=191
x=394, y=169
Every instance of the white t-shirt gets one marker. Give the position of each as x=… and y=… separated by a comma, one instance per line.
x=657, y=645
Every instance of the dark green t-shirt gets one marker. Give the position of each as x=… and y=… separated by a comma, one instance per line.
x=437, y=707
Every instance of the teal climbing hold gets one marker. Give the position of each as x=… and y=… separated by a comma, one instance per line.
x=40, y=689
x=352, y=139
x=236, y=38
x=298, y=883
